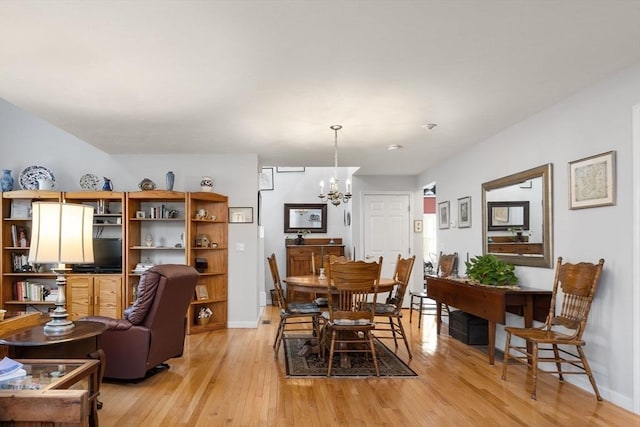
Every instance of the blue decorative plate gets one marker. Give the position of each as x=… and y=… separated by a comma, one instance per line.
x=89, y=181
x=29, y=177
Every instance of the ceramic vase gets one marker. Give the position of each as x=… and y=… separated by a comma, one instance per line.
x=170, y=180
x=6, y=180
x=206, y=184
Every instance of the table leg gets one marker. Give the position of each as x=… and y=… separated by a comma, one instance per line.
x=438, y=316
x=492, y=342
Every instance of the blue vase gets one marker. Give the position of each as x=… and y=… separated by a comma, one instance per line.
x=170, y=180
x=7, y=180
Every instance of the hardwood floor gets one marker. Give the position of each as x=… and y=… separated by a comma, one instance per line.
x=231, y=378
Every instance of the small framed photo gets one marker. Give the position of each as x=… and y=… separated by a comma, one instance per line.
x=241, y=215
x=417, y=226
x=285, y=169
x=464, y=212
x=266, y=179
x=443, y=215
x=201, y=292
x=140, y=214
x=592, y=181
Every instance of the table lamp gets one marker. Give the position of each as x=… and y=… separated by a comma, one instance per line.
x=61, y=234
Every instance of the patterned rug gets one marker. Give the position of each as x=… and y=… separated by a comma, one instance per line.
x=300, y=362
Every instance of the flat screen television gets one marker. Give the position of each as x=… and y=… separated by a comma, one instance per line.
x=107, y=257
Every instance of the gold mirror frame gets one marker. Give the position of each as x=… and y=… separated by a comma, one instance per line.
x=546, y=173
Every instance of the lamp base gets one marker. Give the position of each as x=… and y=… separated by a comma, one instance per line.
x=58, y=327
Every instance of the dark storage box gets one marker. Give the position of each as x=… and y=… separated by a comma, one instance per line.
x=468, y=328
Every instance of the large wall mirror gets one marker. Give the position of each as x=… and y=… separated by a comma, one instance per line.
x=305, y=216
x=517, y=217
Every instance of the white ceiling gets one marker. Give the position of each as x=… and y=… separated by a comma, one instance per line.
x=270, y=77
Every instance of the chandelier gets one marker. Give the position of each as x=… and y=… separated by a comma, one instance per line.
x=334, y=195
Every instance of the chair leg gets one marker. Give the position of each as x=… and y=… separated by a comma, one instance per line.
x=587, y=369
x=373, y=353
x=556, y=354
x=411, y=309
x=333, y=343
x=393, y=332
x=404, y=336
x=279, y=335
x=420, y=312
x=505, y=361
x=534, y=370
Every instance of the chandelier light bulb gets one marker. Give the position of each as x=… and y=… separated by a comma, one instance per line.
x=334, y=195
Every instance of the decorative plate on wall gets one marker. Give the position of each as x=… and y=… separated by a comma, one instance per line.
x=89, y=182
x=29, y=177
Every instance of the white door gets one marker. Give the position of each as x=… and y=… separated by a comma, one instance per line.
x=386, y=229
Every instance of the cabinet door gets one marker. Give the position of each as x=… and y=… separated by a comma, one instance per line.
x=79, y=296
x=108, y=289
x=299, y=261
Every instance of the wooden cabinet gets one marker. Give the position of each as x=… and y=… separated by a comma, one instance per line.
x=207, y=243
x=299, y=256
x=94, y=295
x=299, y=260
x=23, y=284
x=155, y=233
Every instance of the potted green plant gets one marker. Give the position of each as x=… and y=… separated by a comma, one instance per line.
x=489, y=270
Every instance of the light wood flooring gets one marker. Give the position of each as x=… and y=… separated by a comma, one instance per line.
x=231, y=378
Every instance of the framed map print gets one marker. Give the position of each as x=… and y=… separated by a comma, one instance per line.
x=592, y=181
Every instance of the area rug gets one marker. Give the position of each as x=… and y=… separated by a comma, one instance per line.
x=312, y=365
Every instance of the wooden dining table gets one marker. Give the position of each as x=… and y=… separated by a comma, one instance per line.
x=306, y=288
x=311, y=285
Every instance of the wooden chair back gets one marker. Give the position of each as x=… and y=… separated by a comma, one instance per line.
x=404, y=267
x=329, y=259
x=353, y=283
x=447, y=264
x=578, y=283
x=277, y=283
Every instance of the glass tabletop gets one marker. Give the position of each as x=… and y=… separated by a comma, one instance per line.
x=41, y=375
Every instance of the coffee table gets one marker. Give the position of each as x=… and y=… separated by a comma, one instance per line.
x=44, y=375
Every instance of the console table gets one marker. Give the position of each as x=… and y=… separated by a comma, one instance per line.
x=490, y=303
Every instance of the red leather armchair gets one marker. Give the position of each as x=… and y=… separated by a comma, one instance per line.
x=153, y=329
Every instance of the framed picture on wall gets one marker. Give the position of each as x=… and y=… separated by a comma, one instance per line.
x=240, y=215
x=266, y=179
x=464, y=212
x=592, y=181
x=443, y=215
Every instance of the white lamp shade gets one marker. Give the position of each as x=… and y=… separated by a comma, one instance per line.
x=61, y=233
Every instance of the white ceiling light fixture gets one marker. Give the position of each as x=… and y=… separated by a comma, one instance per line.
x=429, y=126
x=392, y=147
x=335, y=196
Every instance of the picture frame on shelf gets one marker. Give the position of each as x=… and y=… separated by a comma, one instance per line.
x=266, y=179
x=443, y=215
x=202, y=293
x=241, y=215
x=464, y=212
x=140, y=214
x=592, y=181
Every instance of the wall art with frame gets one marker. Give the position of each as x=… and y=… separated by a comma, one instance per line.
x=266, y=179
x=443, y=215
x=240, y=215
x=592, y=181
x=464, y=212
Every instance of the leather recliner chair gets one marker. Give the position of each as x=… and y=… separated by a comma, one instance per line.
x=153, y=328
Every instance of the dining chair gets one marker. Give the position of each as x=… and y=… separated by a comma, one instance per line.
x=293, y=316
x=350, y=319
x=391, y=309
x=326, y=265
x=420, y=301
x=578, y=284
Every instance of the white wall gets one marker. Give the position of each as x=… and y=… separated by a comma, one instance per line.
x=593, y=121
x=26, y=140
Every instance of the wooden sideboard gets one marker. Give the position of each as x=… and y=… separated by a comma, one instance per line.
x=489, y=302
x=299, y=259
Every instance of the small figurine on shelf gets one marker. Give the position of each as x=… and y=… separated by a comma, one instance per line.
x=108, y=185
